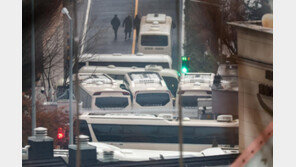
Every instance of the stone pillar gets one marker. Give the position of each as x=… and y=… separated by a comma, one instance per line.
x=255, y=76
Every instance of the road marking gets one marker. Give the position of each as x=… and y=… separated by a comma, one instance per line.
x=134, y=32
x=85, y=27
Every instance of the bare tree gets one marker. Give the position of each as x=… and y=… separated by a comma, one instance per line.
x=52, y=62
x=207, y=31
x=92, y=40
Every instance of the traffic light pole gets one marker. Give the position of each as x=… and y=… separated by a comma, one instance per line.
x=33, y=70
x=180, y=34
x=71, y=85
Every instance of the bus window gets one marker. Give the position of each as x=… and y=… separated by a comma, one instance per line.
x=154, y=40
x=153, y=99
x=130, y=64
x=116, y=77
x=81, y=64
x=172, y=84
x=83, y=128
x=168, y=134
x=191, y=101
x=140, y=133
x=111, y=102
x=164, y=134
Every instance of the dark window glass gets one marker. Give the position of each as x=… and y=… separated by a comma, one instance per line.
x=81, y=64
x=83, y=128
x=216, y=134
x=152, y=99
x=165, y=134
x=129, y=64
x=116, y=77
x=191, y=101
x=111, y=102
x=140, y=133
x=154, y=40
x=172, y=84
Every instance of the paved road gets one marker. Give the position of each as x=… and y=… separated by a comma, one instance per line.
x=100, y=36
x=99, y=27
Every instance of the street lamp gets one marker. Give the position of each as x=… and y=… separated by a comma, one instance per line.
x=66, y=12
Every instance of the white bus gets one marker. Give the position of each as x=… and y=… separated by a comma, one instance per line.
x=100, y=92
x=156, y=132
x=192, y=87
x=149, y=91
x=170, y=76
x=125, y=60
x=155, y=34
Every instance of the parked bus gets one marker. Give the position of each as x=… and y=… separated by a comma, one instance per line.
x=149, y=91
x=157, y=132
x=100, y=92
x=170, y=76
x=155, y=34
x=194, y=87
x=125, y=60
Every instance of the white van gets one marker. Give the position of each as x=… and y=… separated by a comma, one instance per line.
x=194, y=87
x=170, y=76
x=125, y=60
x=149, y=91
x=100, y=92
x=155, y=34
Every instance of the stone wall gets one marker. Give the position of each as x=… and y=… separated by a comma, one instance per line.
x=255, y=66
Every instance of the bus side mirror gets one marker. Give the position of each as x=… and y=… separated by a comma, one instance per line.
x=174, y=101
x=122, y=86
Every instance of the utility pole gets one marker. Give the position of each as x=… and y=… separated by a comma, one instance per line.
x=180, y=129
x=66, y=12
x=76, y=39
x=180, y=42
x=71, y=83
x=33, y=69
x=180, y=34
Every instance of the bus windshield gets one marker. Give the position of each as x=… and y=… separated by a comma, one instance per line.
x=111, y=102
x=154, y=40
x=152, y=99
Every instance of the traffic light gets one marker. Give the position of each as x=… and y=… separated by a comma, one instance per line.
x=61, y=134
x=184, y=58
x=185, y=64
x=184, y=70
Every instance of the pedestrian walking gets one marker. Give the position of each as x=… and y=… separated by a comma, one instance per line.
x=128, y=25
x=115, y=22
x=137, y=21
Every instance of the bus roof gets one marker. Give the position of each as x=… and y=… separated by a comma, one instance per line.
x=124, y=70
x=98, y=82
x=149, y=119
x=156, y=24
x=145, y=81
x=196, y=81
x=117, y=57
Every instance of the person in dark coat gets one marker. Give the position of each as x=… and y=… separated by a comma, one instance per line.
x=115, y=22
x=137, y=21
x=128, y=25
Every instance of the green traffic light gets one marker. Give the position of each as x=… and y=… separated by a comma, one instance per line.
x=184, y=70
x=184, y=58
